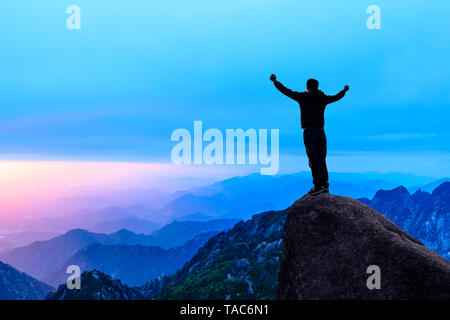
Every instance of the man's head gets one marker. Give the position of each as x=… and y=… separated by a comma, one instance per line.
x=312, y=85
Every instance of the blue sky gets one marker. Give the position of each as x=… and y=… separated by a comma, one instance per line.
x=116, y=89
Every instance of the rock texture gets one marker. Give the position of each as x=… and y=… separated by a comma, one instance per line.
x=329, y=242
x=96, y=285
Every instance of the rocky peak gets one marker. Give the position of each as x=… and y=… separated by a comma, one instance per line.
x=96, y=285
x=329, y=242
x=399, y=195
x=442, y=192
x=421, y=197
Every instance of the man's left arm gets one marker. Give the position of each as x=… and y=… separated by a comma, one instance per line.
x=337, y=97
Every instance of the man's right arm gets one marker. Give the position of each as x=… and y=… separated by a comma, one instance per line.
x=288, y=92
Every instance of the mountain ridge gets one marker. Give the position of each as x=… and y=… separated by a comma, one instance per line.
x=425, y=215
x=16, y=285
x=134, y=265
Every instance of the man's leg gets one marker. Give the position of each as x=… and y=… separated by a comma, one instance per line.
x=310, y=141
x=322, y=151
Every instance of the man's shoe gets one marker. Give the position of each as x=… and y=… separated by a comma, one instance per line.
x=317, y=190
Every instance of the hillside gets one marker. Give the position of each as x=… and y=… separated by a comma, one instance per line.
x=42, y=259
x=239, y=264
x=178, y=232
x=96, y=285
x=132, y=264
x=15, y=285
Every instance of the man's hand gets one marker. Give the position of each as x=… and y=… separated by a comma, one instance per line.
x=346, y=88
x=273, y=77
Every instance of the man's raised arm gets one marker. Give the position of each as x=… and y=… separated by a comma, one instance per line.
x=288, y=92
x=339, y=96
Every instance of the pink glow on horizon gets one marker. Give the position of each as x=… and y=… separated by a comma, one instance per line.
x=51, y=179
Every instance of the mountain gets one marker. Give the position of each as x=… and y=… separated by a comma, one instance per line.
x=330, y=242
x=15, y=285
x=429, y=187
x=243, y=263
x=424, y=215
x=41, y=258
x=132, y=264
x=242, y=197
x=20, y=239
x=61, y=223
x=178, y=232
x=381, y=180
x=96, y=285
x=132, y=224
x=5, y=246
x=239, y=264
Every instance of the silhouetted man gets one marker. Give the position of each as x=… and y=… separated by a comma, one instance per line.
x=312, y=107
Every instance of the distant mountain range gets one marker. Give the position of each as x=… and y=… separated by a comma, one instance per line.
x=132, y=264
x=424, y=215
x=247, y=253
x=243, y=262
x=43, y=259
x=143, y=211
x=13, y=240
x=240, y=264
x=132, y=224
x=178, y=232
x=15, y=285
x=429, y=187
x=241, y=197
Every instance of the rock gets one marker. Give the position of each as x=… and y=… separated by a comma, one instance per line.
x=152, y=287
x=242, y=265
x=330, y=241
x=241, y=249
x=96, y=285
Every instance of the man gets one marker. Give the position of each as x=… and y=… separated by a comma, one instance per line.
x=312, y=107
